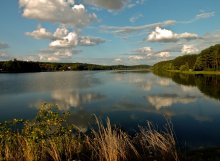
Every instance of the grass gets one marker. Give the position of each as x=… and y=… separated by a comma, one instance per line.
x=50, y=137
x=196, y=72
x=161, y=144
x=110, y=144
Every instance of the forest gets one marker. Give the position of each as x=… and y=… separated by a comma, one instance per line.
x=207, y=60
x=18, y=66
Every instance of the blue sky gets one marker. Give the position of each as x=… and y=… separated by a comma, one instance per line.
x=107, y=32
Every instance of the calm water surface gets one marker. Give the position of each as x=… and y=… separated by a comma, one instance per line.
x=128, y=98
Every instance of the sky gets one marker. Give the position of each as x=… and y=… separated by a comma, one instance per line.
x=106, y=31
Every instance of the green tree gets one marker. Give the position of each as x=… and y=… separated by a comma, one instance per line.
x=184, y=67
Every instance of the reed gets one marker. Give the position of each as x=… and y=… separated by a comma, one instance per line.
x=109, y=144
x=161, y=144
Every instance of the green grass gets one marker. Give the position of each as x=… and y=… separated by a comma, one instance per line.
x=196, y=72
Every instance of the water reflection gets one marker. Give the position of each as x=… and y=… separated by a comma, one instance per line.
x=168, y=100
x=43, y=82
x=73, y=99
x=128, y=98
x=164, y=82
x=81, y=119
x=144, y=82
x=207, y=84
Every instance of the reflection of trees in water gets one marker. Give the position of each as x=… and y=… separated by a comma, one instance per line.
x=207, y=84
x=184, y=79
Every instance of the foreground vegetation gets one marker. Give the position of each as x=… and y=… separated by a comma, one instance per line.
x=16, y=66
x=207, y=62
x=49, y=136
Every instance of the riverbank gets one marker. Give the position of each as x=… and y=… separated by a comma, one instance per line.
x=196, y=72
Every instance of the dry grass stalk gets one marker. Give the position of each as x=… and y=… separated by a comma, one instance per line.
x=53, y=150
x=28, y=149
x=12, y=151
x=109, y=144
x=1, y=152
x=160, y=142
x=71, y=147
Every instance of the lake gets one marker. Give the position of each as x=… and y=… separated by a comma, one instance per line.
x=128, y=98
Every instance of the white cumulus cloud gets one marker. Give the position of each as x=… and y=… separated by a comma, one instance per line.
x=164, y=54
x=164, y=35
x=40, y=33
x=61, y=32
x=61, y=11
x=147, y=51
x=108, y=4
x=189, y=49
x=71, y=40
x=62, y=38
x=63, y=53
x=55, y=54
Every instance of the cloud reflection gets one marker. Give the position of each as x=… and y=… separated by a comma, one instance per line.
x=69, y=99
x=168, y=100
x=164, y=82
x=145, y=81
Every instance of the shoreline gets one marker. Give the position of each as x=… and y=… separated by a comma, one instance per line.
x=196, y=72
x=115, y=70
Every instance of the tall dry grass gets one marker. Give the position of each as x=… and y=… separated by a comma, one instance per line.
x=110, y=144
x=22, y=148
x=30, y=150
x=161, y=144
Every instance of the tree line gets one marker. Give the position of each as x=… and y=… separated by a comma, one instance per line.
x=207, y=60
x=17, y=66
